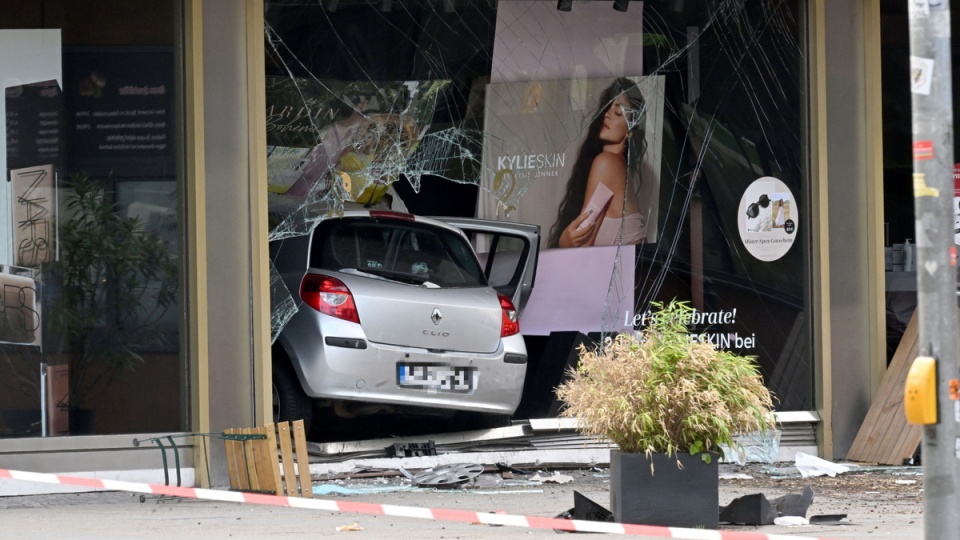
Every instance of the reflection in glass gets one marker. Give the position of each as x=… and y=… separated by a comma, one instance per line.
x=90, y=243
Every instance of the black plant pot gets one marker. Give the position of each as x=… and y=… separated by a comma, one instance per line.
x=667, y=497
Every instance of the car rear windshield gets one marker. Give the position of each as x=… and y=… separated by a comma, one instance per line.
x=398, y=250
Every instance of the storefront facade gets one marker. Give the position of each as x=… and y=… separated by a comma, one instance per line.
x=761, y=138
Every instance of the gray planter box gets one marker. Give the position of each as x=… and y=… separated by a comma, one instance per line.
x=670, y=497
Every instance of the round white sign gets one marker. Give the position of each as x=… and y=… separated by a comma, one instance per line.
x=768, y=219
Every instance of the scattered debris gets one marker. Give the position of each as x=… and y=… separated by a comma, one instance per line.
x=794, y=505
x=405, y=472
x=738, y=476
x=335, y=489
x=411, y=449
x=448, y=475
x=755, y=509
x=555, y=478
x=585, y=509
x=813, y=466
x=351, y=527
x=829, y=519
x=356, y=474
x=906, y=482
x=753, y=447
x=791, y=521
x=752, y=509
x=504, y=468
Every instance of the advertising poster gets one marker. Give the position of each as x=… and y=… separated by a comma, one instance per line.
x=580, y=158
x=547, y=80
x=121, y=110
x=768, y=219
x=35, y=215
x=20, y=309
x=34, y=124
x=544, y=154
x=362, y=132
x=590, y=41
x=29, y=57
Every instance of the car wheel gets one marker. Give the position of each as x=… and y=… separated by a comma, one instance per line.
x=289, y=400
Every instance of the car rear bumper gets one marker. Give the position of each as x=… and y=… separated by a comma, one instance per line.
x=350, y=368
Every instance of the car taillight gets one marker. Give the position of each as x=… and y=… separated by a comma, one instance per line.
x=329, y=295
x=509, y=325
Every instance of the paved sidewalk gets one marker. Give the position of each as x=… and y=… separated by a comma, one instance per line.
x=878, y=502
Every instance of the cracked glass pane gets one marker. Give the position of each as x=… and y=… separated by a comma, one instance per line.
x=662, y=150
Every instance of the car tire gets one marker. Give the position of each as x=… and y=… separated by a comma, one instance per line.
x=289, y=401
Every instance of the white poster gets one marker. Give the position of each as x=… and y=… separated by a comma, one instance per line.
x=29, y=56
x=536, y=41
x=767, y=219
x=552, y=76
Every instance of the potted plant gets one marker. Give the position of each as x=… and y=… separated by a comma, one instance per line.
x=668, y=400
x=104, y=295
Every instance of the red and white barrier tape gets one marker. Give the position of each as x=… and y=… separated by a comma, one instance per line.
x=463, y=516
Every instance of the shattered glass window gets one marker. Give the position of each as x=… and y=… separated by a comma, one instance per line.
x=662, y=150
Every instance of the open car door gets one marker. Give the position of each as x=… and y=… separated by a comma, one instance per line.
x=507, y=251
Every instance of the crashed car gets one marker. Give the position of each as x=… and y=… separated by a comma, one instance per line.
x=401, y=313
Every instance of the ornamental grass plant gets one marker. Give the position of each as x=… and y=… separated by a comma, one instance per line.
x=665, y=390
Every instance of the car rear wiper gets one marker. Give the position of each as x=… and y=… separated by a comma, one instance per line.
x=390, y=275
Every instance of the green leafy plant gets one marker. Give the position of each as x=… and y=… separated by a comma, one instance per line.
x=111, y=285
x=665, y=391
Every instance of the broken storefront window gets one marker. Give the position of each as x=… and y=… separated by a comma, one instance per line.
x=500, y=109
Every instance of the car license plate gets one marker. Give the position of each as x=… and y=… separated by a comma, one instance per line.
x=437, y=377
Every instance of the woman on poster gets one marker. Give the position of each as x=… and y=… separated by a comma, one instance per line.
x=781, y=218
x=601, y=206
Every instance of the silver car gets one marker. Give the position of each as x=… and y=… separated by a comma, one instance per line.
x=399, y=311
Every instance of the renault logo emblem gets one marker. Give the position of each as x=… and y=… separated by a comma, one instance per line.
x=436, y=317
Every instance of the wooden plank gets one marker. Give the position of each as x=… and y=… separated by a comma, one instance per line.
x=254, y=464
x=303, y=462
x=885, y=436
x=268, y=466
x=889, y=448
x=234, y=451
x=867, y=443
x=286, y=458
x=899, y=431
x=264, y=455
x=250, y=461
x=272, y=461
